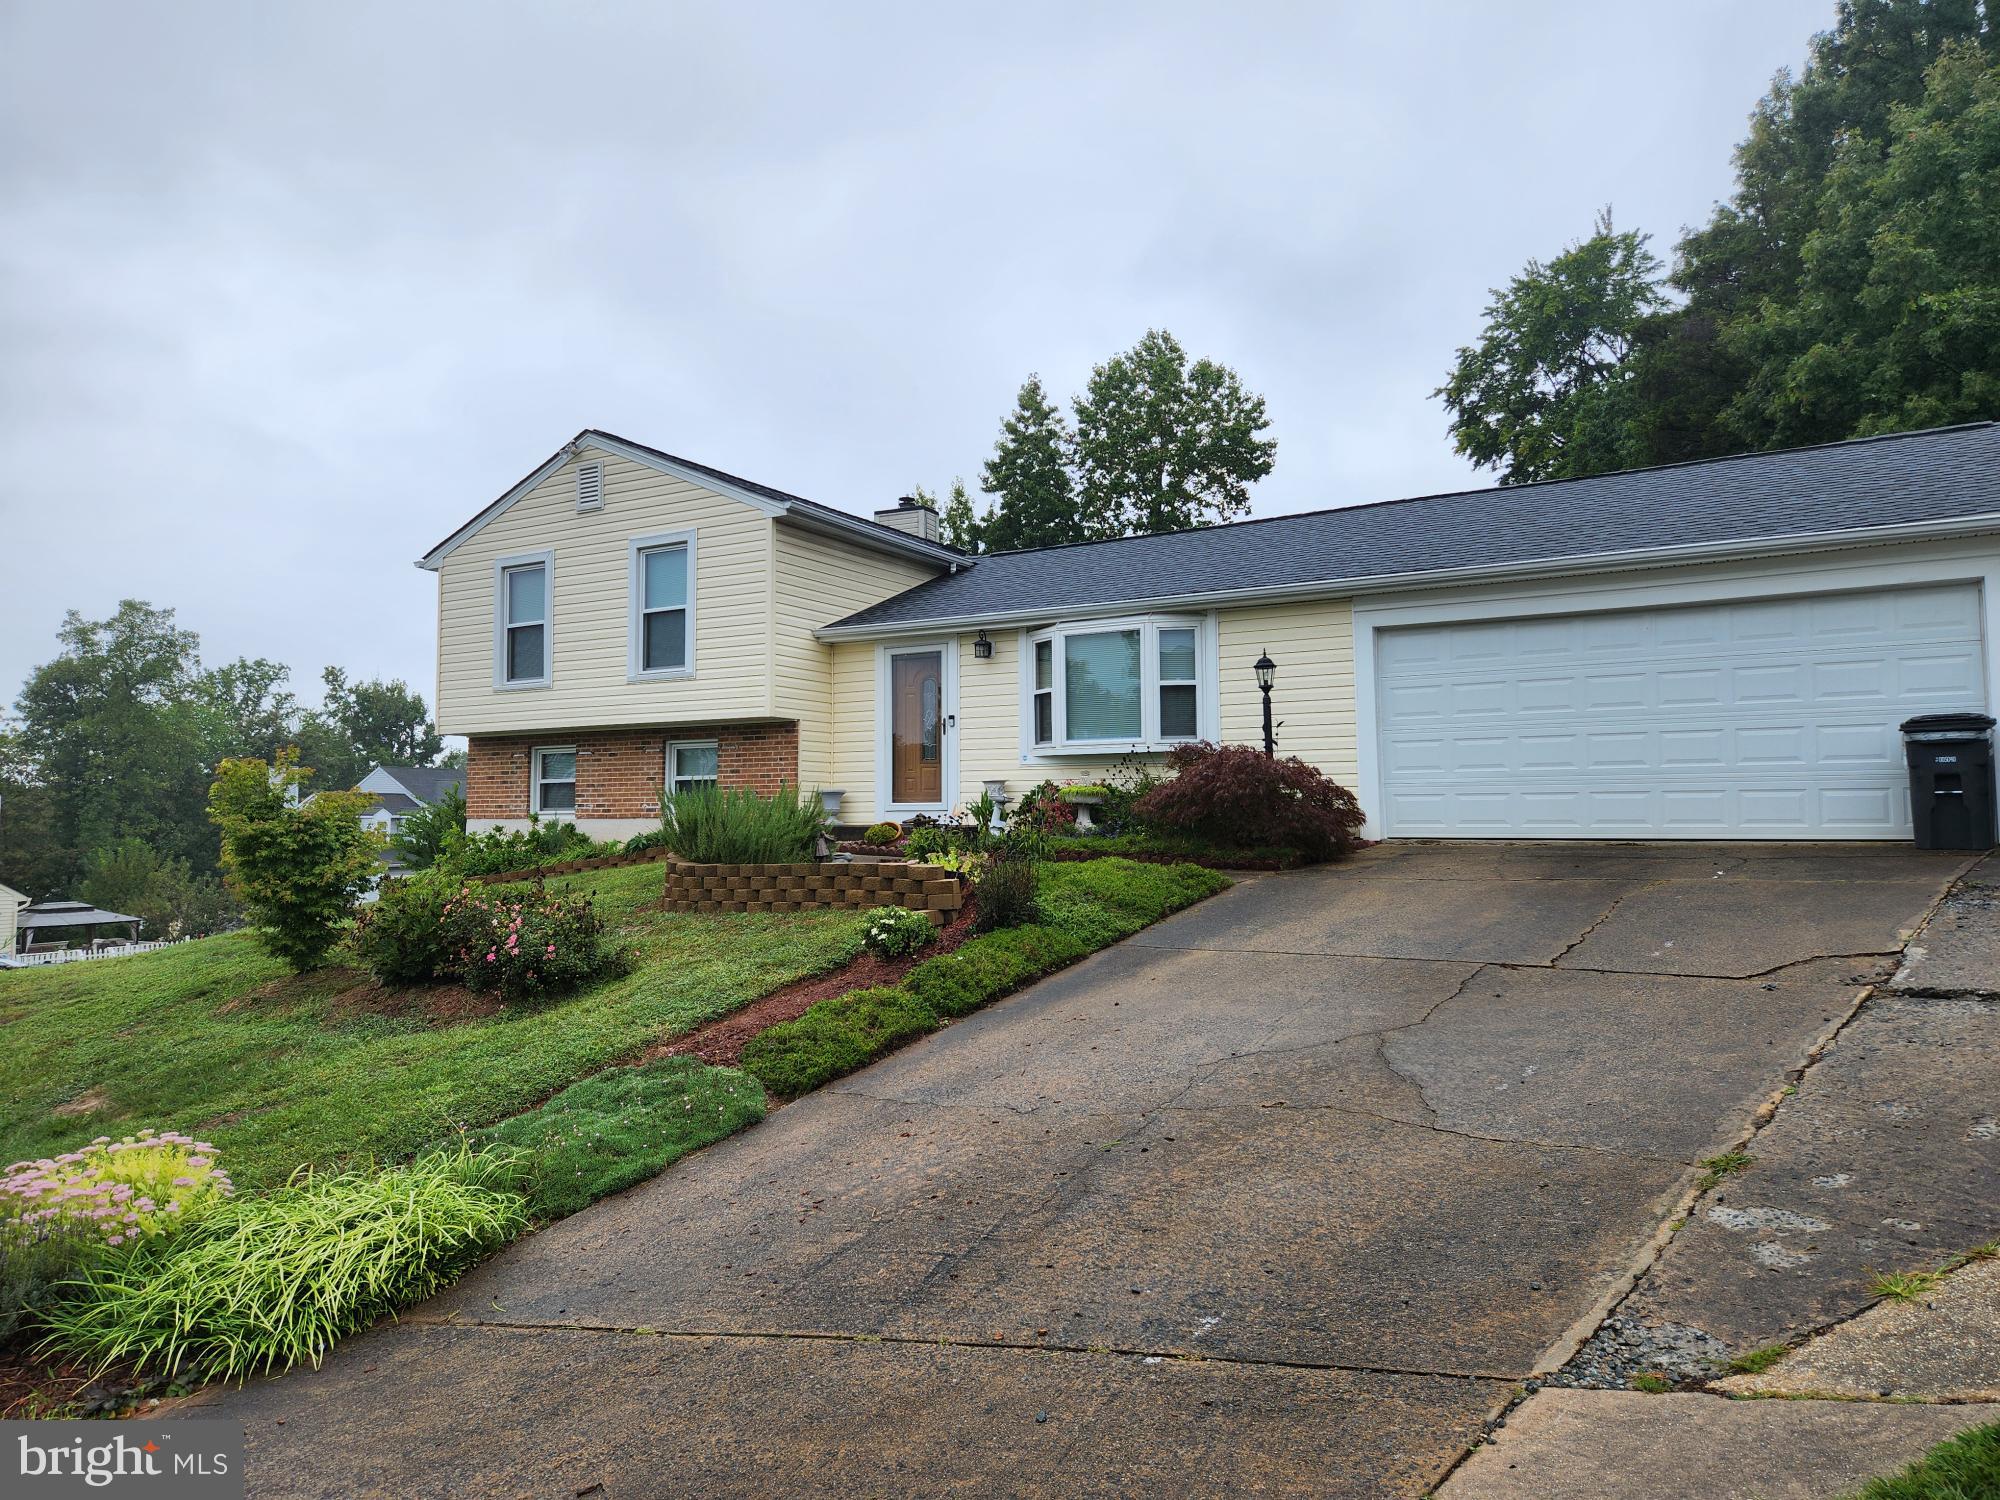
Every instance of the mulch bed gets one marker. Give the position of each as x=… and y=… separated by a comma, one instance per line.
x=720, y=1042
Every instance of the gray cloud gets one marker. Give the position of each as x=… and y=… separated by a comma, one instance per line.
x=287, y=292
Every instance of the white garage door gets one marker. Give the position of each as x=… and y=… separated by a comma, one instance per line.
x=1771, y=718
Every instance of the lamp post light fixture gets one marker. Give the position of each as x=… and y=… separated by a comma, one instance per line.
x=1267, y=676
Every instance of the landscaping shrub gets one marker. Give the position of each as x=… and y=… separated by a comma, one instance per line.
x=652, y=838
x=297, y=869
x=1005, y=890
x=1237, y=795
x=619, y=1127
x=834, y=1037
x=926, y=844
x=895, y=931
x=431, y=832
x=1043, y=809
x=714, y=826
x=402, y=936
x=268, y=1279
x=527, y=944
x=882, y=834
x=59, y=1213
x=500, y=851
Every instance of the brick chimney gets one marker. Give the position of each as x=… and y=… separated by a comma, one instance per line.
x=911, y=515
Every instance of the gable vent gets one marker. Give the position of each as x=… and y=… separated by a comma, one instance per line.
x=590, y=487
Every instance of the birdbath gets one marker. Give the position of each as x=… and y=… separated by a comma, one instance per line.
x=1083, y=799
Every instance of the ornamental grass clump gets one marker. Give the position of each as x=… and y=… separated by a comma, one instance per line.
x=713, y=826
x=266, y=1280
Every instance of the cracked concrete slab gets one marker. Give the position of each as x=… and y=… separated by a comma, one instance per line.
x=1550, y=1055
x=1887, y=1158
x=1619, y=1445
x=1746, y=927
x=1944, y=1346
x=1339, y=911
x=452, y=1412
x=1958, y=951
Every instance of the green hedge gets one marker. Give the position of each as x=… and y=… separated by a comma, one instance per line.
x=1085, y=907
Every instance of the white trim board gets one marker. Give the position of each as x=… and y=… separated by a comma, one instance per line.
x=1796, y=576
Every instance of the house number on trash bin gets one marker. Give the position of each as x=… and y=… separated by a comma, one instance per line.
x=1944, y=760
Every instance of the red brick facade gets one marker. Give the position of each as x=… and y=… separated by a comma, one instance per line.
x=619, y=771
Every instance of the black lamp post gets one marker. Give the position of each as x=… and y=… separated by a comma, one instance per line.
x=1267, y=674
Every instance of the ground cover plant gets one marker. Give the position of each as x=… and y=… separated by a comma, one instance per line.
x=216, y=1039
x=267, y=1280
x=735, y=826
x=620, y=1127
x=896, y=932
x=1083, y=906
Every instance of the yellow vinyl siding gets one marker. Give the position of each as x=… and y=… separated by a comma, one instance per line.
x=591, y=608
x=1313, y=646
x=1312, y=643
x=820, y=580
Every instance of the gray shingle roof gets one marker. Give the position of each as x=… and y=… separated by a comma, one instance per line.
x=426, y=783
x=1936, y=475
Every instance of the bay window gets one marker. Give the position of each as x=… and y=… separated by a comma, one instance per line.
x=662, y=623
x=1117, y=685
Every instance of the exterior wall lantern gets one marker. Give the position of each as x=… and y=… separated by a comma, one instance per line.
x=1267, y=677
x=982, y=647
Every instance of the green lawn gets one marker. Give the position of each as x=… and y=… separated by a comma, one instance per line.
x=1966, y=1467
x=215, y=1039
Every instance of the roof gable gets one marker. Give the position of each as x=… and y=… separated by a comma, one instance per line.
x=760, y=497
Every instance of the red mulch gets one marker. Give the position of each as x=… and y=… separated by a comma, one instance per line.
x=720, y=1042
x=29, y=1387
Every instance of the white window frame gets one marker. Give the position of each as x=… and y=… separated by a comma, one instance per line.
x=885, y=778
x=536, y=779
x=676, y=745
x=1150, y=740
x=635, y=671
x=1033, y=649
x=502, y=566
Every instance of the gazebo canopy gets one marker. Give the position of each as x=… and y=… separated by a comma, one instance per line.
x=69, y=914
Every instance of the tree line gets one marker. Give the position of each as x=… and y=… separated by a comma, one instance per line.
x=1849, y=286
x=106, y=765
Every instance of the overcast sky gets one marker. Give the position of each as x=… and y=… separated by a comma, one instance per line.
x=288, y=292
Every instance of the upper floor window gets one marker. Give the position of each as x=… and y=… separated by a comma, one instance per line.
x=521, y=645
x=663, y=605
x=1118, y=685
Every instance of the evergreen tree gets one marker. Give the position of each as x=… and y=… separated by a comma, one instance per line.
x=958, y=523
x=1029, y=476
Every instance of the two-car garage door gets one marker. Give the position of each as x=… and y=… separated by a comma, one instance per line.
x=1765, y=718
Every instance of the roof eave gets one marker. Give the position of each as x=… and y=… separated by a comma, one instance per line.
x=1602, y=562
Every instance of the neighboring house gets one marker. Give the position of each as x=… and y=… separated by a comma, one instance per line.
x=1720, y=649
x=401, y=790
x=11, y=903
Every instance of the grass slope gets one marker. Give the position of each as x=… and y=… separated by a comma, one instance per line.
x=216, y=1039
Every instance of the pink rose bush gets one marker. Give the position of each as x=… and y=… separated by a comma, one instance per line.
x=523, y=943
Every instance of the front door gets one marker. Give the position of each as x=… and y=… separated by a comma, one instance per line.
x=916, y=728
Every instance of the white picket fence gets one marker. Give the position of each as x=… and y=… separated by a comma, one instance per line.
x=77, y=955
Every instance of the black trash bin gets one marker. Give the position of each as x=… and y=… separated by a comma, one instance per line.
x=1951, y=779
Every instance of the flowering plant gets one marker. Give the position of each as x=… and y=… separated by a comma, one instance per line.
x=111, y=1192
x=895, y=931
x=526, y=946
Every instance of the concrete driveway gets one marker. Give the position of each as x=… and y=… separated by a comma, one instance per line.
x=1286, y=1195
